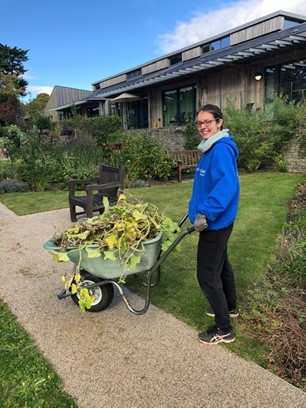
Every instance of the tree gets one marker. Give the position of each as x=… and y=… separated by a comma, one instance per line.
x=35, y=107
x=11, y=70
x=12, y=85
x=9, y=109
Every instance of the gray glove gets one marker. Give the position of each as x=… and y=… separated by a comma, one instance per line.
x=200, y=223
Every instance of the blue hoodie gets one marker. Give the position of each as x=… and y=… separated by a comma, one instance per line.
x=216, y=187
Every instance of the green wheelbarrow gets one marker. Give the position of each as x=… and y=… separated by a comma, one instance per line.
x=100, y=276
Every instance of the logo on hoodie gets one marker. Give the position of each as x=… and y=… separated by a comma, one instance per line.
x=202, y=172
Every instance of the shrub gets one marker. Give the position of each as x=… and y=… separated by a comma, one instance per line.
x=102, y=128
x=277, y=309
x=144, y=158
x=191, y=134
x=13, y=186
x=36, y=163
x=43, y=122
x=13, y=139
x=263, y=135
x=8, y=170
x=73, y=168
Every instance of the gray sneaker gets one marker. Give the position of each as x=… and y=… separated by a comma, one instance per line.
x=233, y=313
x=213, y=336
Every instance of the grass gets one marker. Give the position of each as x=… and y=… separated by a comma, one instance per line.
x=252, y=248
x=26, y=378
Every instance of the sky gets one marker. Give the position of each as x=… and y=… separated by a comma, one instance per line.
x=74, y=43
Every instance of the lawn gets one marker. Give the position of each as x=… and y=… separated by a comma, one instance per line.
x=262, y=213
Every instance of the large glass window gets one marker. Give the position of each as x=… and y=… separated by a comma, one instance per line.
x=138, y=114
x=178, y=104
x=136, y=111
x=287, y=79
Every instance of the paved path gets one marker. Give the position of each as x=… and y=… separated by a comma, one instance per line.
x=114, y=358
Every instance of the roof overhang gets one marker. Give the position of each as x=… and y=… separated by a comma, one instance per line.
x=241, y=53
x=238, y=54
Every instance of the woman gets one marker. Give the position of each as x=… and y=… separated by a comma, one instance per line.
x=212, y=209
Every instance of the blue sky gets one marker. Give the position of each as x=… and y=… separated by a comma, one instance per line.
x=74, y=43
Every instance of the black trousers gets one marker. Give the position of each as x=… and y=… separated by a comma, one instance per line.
x=215, y=274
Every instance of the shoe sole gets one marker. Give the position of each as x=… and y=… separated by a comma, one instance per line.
x=217, y=342
x=213, y=315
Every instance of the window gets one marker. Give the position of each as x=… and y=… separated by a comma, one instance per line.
x=137, y=112
x=134, y=74
x=216, y=45
x=178, y=105
x=288, y=79
x=289, y=23
x=175, y=59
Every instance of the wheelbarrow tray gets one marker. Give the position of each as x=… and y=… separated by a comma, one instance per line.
x=111, y=269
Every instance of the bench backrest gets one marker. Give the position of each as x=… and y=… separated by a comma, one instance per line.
x=186, y=157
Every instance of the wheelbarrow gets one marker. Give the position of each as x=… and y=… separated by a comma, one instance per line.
x=100, y=276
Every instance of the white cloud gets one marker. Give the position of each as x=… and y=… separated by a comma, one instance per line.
x=29, y=77
x=208, y=24
x=33, y=91
x=39, y=89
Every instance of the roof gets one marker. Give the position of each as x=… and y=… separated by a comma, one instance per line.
x=63, y=95
x=260, y=46
x=297, y=17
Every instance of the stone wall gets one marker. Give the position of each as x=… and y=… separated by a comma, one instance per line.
x=296, y=153
x=171, y=138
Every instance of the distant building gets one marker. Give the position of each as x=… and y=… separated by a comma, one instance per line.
x=244, y=66
x=61, y=96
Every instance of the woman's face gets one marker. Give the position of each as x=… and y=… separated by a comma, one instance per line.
x=207, y=124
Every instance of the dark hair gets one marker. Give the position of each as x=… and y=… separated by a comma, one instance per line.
x=213, y=109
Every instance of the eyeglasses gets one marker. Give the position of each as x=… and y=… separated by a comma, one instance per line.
x=205, y=122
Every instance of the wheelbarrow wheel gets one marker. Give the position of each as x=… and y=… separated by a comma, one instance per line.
x=103, y=294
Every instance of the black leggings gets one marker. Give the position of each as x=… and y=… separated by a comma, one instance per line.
x=215, y=274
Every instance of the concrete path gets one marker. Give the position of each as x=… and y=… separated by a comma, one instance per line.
x=114, y=358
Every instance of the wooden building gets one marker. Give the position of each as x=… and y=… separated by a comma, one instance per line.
x=244, y=66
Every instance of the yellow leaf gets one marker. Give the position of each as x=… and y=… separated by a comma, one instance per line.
x=74, y=230
x=67, y=284
x=73, y=288
x=82, y=235
x=60, y=256
x=105, y=203
x=77, y=277
x=111, y=241
x=138, y=215
x=64, y=277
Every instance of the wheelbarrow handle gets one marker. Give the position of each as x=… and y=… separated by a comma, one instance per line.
x=183, y=220
x=188, y=230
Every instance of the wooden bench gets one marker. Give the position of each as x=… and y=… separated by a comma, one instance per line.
x=90, y=198
x=184, y=159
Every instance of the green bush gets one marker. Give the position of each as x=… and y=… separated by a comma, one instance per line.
x=144, y=158
x=190, y=131
x=36, y=162
x=8, y=170
x=263, y=135
x=13, y=138
x=73, y=168
x=102, y=128
x=13, y=186
x=249, y=131
x=43, y=122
